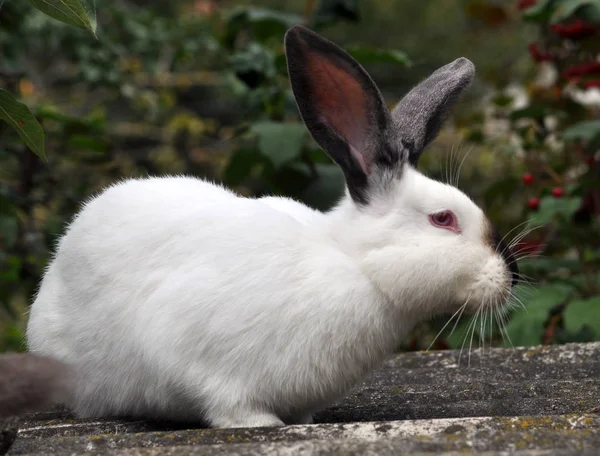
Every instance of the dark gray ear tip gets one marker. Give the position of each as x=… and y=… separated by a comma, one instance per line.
x=294, y=31
x=292, y=35
x=463, y=67
x=296, y=34
x=464, y=62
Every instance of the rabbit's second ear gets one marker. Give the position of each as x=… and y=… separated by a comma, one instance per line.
x=419, y=116
x=341, y=106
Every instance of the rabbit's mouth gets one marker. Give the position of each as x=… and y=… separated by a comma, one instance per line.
x=492, y=287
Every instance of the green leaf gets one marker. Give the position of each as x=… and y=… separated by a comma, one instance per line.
x=590, y=255
x=365, y=55
x=331, y=11
x=292, y=179
x=591, y=12
x=262, y=15
x=87, y=142
x=9, y=272
x=9, y=229
x=11, y=337
x=7, y=205
x=73, y=12
x=240, y=165
x=551, y=208
x=280, y=142
x=567, y=8
x=72, y=125
x=502, y=100
x=589, y=131
x=530, y=112
x=524, y=331
x=265, y=23
x=526, y=326
x=548, y=264
x=90, y=9
x=580, y=313
x=327, y=189
x=540, y=12
x=253, y=64
x=502, y=189
x=89, y=148
x=18, y=116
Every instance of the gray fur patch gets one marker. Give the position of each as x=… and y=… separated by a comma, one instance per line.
x=31, y=383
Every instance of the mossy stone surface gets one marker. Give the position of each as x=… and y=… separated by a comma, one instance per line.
x=539, y=400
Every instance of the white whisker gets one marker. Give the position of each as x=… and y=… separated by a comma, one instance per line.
x=519, y=302
x=447, y=323
x=506, y=235
x=502, y=326
x=461, y=165
x=472, y=321
x=491, y=312
x=460, y=315
x=472, y=334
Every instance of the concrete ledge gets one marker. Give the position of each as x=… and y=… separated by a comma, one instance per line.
x=522, y=401
x=499, y=382
x=569, y=432
x=8, y=433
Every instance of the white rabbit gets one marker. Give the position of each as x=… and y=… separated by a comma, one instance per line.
x=174, y=298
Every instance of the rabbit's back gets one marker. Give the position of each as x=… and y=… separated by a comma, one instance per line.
x=105, y=271
x=165, y=299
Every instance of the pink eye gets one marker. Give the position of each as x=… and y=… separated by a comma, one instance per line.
x=445, y=219
x=442, y=218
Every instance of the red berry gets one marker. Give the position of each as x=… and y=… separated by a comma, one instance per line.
x=576, y=30
x=524, y=4
x=533, y=203
x=558, y=192
x=592, y=84
x=537, y=54
x=589, y=160
x=582, y=69
x=528, y=178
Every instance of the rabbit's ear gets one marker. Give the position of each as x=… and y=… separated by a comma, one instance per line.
x=30, y=383
x=419, y=116
x=341, y=106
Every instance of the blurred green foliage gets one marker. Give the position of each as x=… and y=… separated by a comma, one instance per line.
x=200, y=87
x=549, y=123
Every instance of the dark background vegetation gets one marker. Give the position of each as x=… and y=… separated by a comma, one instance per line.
x=200, y=87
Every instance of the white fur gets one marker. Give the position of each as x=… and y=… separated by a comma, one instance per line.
x=175, y=298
